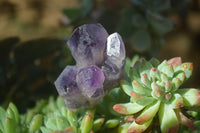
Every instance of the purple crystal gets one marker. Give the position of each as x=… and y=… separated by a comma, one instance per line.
x=68, y=89
x=90, y=79
x=100, y=61
x=87, y=44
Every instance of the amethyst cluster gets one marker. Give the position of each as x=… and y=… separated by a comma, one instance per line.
x=100, y=61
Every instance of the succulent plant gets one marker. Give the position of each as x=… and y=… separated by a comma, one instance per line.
x=154, y=91
x=100, y=61
x=12, y=122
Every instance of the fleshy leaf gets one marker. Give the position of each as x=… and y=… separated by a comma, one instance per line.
x=138, y=88
x=148, y=113
x=123, y=128
x=168, y=119
x=174, y=62
x=141, y=100
x=185, y=67
x=112, y=123
x=176, y=101
x=128, y=108
x=134, y=74
x=97, y=124
x=145, y=80
x=166, y=68
x=139, y=128
x=126, y=86
x=191, y=97
x=154, y=74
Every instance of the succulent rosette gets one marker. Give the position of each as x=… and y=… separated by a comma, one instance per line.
x=100, y=60
x=155, y=92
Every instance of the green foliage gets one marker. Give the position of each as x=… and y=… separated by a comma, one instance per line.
x=142, y=24
x=154, y=92
x=52, y=116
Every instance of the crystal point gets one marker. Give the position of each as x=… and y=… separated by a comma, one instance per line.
x=87, y=44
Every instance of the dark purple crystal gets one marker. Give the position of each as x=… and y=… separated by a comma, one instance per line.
x=87, y=44
x=100, y=61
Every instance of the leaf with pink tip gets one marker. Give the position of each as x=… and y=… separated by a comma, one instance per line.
x=145, y=80
x=176, y=101
x=174, y=62
x=148, y=113
x=168, y=120
x=139, y=128
x=176, y=83
x=127, y=108
x=185, y=67
x=191, y=97
x=154, y=74
x=138, y=88
x=157, y=92
x=126, y=86
x=166, y=68
x=141, y=100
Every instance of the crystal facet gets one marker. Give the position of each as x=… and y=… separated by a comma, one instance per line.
x=87, y=44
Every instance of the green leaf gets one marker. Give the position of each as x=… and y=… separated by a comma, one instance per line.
x=141, y=100
x=135, y=128
x=168, y=119
x=97, y=124
x=126, y=86
x=51, y=124
x=72, y=118
x=123, y=128
x=87, y=121
x=10, y=114
x=112, y=123
x=15, y=111
x=148, y=113
x=29, y=116
x=190, y=96
x=36, y=123
x=138, y=88
x=2, y=115
x=10, y=125
x=187, y=68
x=166, y=68
x=128, y=108
x=61, y=122
x=176, y=101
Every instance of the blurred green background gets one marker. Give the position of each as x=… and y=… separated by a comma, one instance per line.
x=33, y=35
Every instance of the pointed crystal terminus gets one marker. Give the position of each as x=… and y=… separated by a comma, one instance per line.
x=87, y=44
